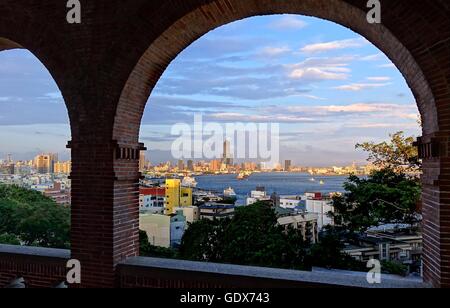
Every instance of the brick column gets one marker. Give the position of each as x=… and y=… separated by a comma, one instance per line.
x=436, y=209
x=105, y=214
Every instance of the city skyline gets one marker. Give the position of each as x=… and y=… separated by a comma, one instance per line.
x=327, y=87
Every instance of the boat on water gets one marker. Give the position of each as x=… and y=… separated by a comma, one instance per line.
x=243, y=175
x=189, y=182
x=322, y=183
x=229, y=193
x=312, y=179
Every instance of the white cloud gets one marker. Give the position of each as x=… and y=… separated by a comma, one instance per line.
x=334, y=45
x=321, y=69
x=275, y=51
x=241, y=117
x=4, y=98
x=289, y=23
x=315, y=73
x=380, y=79
x=388, y=109
x=373, y=57
x=387, y=65
x=360, y=86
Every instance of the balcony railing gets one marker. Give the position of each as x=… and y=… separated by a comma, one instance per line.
x=41, y=267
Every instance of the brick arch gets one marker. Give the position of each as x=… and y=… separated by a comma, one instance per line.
x=165, y=48
x=409, y=36
x=7, y=44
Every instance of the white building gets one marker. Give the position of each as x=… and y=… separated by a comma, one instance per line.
x=257, y=195
x=290, y=202
x=305, y=222
x=316, y=203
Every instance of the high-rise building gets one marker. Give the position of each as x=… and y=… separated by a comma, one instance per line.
x=142, y=161
x=62, y=167
x=287, y=165
x=227, y=156
x=44, y=163
x=190, y=165
x=215, y=165
x=180, y=165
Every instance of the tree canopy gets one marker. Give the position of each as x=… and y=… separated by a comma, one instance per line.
x=399, y=154
x=27, y=217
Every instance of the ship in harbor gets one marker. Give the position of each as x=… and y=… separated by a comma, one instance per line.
x=243, y=175
x=189, y=182
x=229, y=193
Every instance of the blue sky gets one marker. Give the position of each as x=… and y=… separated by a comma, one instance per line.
x=328, y=88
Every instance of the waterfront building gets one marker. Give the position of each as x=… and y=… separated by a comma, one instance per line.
x=259, y=194
x=176, y=195
x=291, y=202
x=320, y=205
x=287, y=165
x=152, y=199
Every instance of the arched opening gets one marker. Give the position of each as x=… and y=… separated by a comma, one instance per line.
x=35, y=165
x=151, y=75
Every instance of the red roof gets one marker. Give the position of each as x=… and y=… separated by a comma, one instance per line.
x=152, y=191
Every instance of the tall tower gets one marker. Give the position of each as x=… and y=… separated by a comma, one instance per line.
x=227, y=157
x=142, y=161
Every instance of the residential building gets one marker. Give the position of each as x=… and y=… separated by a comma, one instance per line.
x=305, y=222
x=259, y=194
x=163, y=230
x=192, y=213
x=44, y=163
x=62, y=167
x=322, y=206
x=213, y=211
x=291, y=202
x=152, y=199
x=177, y=196
x=58, y=193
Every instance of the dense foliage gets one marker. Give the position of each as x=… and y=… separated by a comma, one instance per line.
x=399, y=154
x=29, y=218
x=251, y=237
x=384, y=197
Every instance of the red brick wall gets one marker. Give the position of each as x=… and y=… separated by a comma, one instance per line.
x=39, y=270
x=107, y=66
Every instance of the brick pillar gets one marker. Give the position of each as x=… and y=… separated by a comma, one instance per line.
x=105, y=214
x=436, y=209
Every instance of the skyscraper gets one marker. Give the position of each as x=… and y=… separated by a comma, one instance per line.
x=180, y=165
x=227, y=156
x=44, y=163
x=142, y=161
x=190, y=165
x=287, y=165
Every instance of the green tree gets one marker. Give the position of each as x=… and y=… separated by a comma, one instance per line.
x=33, y=219
x=384, y=197
x=148, y=250
x=399, y=154
x=251, y=237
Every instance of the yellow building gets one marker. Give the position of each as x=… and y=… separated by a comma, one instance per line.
x=176, y=195
x=63, y=167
